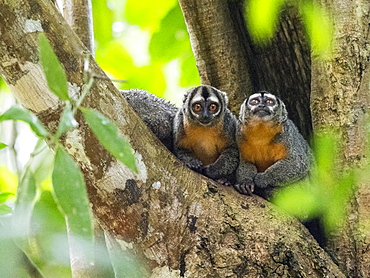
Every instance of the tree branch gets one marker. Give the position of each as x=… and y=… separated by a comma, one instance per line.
x=78, y=14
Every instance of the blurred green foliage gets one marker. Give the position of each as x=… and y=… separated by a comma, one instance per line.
x=138, y=40
x=325, y=195
x=262, y=18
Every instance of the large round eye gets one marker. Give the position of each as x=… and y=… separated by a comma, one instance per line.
x=213, y=107
x=254, y=101
x=270, y=102
x=197, y=107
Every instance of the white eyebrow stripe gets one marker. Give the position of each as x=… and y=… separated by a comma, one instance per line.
x=214, y=98
x=255, y=95
x=270, y=95
x=197, y=98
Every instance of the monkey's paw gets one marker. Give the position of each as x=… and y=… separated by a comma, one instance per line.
x=244, y=188
x=195, y=165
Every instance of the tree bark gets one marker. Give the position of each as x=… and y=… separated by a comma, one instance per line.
x=341, y=100
x=174, y=221
x=78, y=14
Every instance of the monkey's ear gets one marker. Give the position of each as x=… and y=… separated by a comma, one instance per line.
x=242, y=110
x=186, y=95
x=284, y=112
x=224, y=96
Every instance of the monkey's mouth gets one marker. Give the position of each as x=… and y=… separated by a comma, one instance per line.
x=261, y=112
x=205, y=122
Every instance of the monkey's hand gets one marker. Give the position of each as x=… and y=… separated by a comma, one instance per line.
x=188, y=159
x=194, y=164
x=245, y=188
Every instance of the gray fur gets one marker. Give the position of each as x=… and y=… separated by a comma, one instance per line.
x=227, y=162
x=294, y=167
x=156, y=113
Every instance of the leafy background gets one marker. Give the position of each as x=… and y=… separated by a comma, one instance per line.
x=147, y=44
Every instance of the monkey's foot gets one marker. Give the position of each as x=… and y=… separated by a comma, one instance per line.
x=244, y=188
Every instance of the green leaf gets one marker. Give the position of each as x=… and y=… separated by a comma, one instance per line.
x=21, y=217
x=154, y=78
x=2, y=146
x=318, y=25
x=5, y=196
x=336, y=205
x=55, y=75
x=70, y=192
x=108, y=135
x=50, y=225
x=4, y=209
x=67, y=120
x=18, y=113
x=262, y=17
x=8, y=181
x=297, y=200
x=42, y=162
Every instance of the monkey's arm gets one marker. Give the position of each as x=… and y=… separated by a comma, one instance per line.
x=293, y=168
x=183, y=154
x=228, y=161
x=225, y=164
x=244, y=176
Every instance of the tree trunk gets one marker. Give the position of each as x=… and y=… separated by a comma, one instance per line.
x=341, y=100
x=174, y=221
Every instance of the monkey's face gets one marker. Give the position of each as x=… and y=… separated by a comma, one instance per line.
x=205, y=105
x=263, y=106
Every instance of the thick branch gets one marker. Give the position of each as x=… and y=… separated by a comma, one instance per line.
x=78, y=14
x=176, y=221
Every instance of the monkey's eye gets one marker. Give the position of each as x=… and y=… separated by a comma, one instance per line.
x=270, y=102
x=197, y=107
x=254, y=101
x=213, y=107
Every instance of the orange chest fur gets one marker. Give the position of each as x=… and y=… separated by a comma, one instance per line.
x=206, y=143
x=257, y=145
